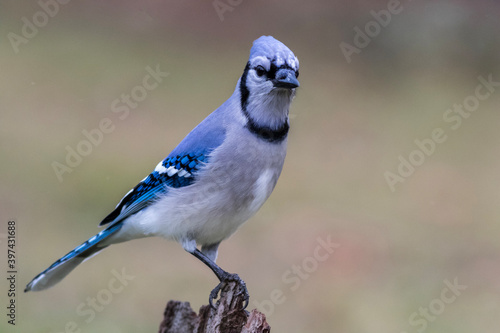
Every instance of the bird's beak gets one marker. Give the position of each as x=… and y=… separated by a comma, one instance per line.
x=286, y=78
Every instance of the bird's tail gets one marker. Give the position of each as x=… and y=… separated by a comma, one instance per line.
x=62, y=267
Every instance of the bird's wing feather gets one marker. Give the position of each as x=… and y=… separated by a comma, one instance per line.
x=173, y=171
x=177, y=170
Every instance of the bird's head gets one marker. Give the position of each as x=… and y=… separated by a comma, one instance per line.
x=269, y=80
x=272, y=67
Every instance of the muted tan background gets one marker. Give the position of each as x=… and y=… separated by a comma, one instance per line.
x=350, y=123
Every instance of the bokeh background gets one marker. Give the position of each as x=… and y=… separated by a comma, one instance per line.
x=351, y=122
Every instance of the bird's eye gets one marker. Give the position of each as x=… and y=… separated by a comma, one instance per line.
x=260, y=70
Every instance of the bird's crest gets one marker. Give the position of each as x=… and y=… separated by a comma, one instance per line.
x=272, y=49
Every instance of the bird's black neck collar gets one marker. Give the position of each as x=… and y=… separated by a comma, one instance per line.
x=265, y=133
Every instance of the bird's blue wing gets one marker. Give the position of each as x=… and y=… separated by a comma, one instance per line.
x=177, y=170
x=174, y=171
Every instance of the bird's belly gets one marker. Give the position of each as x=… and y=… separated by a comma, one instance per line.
x=214, y=212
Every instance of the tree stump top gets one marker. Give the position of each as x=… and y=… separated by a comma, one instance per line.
x=227, y=317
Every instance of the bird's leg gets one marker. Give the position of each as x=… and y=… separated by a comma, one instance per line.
x=223, y=277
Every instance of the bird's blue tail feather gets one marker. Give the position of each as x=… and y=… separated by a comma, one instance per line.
x=62, y=267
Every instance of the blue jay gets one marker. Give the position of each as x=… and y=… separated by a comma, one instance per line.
x=215, y=179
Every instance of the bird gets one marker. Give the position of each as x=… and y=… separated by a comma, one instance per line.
x=218, y=176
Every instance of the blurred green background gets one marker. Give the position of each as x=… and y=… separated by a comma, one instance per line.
x=351, y=122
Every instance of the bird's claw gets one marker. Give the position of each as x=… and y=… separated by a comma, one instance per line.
x=213, y=295
x=229, y=278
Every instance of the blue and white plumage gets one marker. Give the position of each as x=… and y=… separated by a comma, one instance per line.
x=216, y=178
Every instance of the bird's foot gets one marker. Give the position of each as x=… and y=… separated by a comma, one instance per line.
x=230, y=278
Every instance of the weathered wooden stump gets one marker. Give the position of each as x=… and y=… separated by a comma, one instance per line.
x=227, y=317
